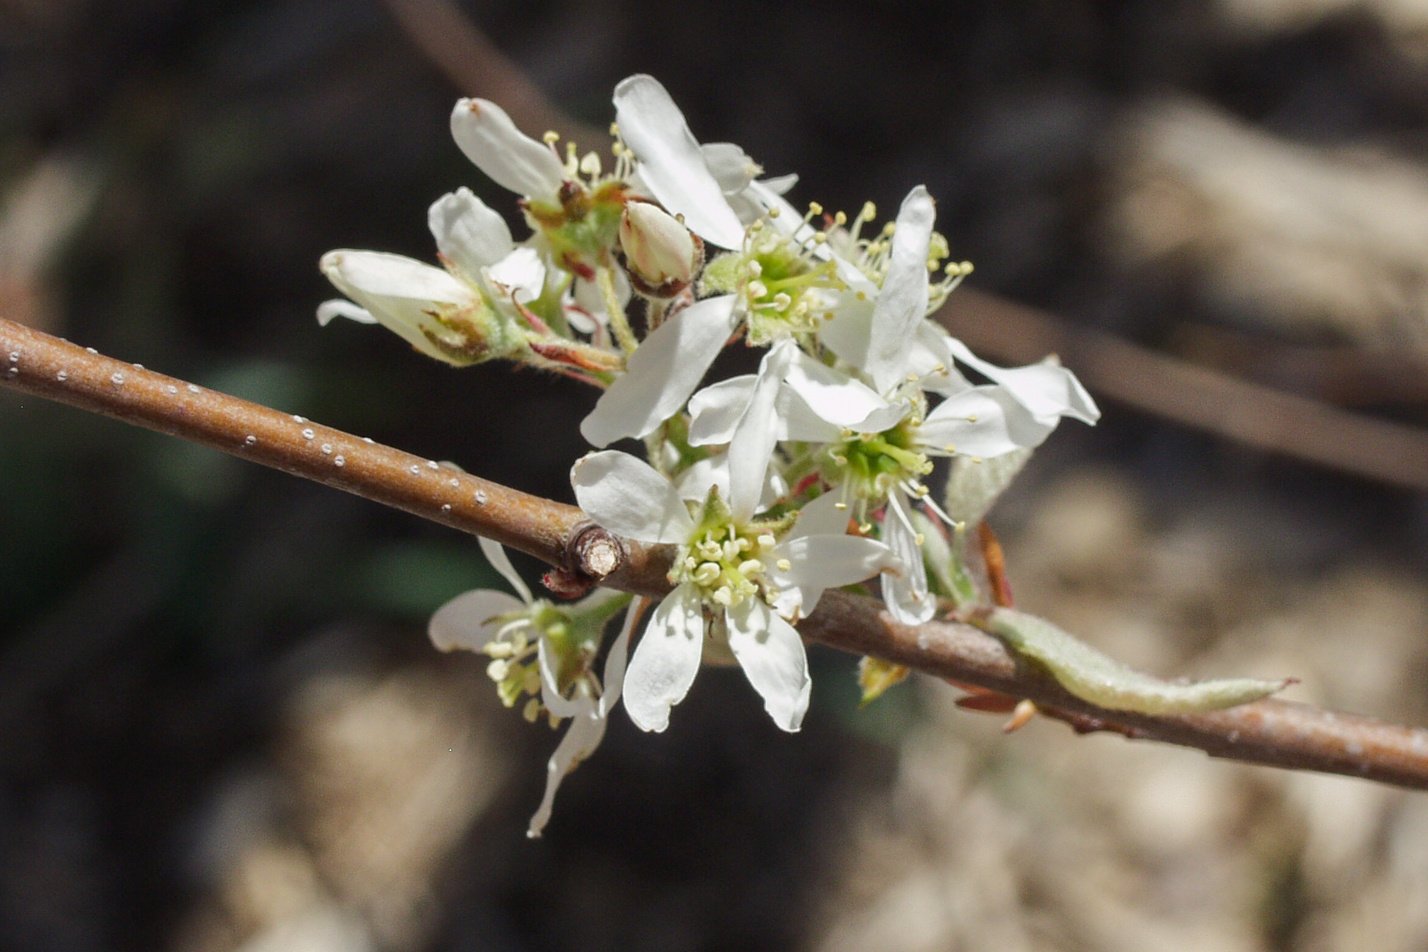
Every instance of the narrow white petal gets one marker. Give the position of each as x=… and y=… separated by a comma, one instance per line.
x=752, y=444
x=828, y=561
x=982, y=421
x=730, y=165
x=822, y=516
x=615, y=661
x=902, y=302
x=465, y=622
x=399, y=292
x=586, y=730
x=625, y=495
x=831, y=394
x=468, y=233
x=905, y=593
x=666, y=659
x=496, y=554
x=696, y=481
x=327, y=311
x=550, y=695
x=512, y=159
x=717, y=409
x=774, y=660
x=671, y=162
x=379, y=275
x=1047, y=389
x=520, y=274
x=849, y=333
x=662, y=373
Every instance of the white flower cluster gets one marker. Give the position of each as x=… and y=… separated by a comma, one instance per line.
x=774, y=486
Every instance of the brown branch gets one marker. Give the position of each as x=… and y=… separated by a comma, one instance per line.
x=1249, y=413
x=1270, y=732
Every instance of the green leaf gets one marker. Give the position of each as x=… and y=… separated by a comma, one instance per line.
x=1095, y=677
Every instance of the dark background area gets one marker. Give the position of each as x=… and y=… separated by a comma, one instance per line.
x=222, y=726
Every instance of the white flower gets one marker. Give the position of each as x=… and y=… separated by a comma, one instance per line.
x=512, y=159
x=736, y=581
x=511, y=630
x=674, y=167
x=873, y=444
x=462, y=315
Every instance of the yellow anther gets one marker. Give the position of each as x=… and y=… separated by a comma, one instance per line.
x=550, y=137
x=784, y=565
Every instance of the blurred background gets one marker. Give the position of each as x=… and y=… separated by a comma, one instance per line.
x=222, y=726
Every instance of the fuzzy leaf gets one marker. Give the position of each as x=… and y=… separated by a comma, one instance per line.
x=1095, y=677
x=974, y=485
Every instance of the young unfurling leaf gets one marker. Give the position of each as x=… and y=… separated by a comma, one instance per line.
x=1095, y=677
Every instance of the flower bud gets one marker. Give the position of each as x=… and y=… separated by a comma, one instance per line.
x=661, y=255
x=438, y=314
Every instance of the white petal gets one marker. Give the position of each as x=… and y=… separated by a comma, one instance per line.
x=468, y=233
x=752, y=444
x=849, y=333
x=328, y=310
x=730, y=165
x=662, y=373
x=902, y=302
x=511, y=158
x=666, y=659
x=466, y=621
x=586, y=730
x=399, y=292
x=717, y=409
x=520, y=274
x=833, y=395
x=983, y=421
x=615, y=661
x=377, y=274
x=930, y=359
x=774, y=660
x=696, y=481
x=1047, y=389
x=828, y=561
x=550, y=695
x=496, y=554
x=627, y=496
x=905, y=593
x=822, y=516
x=671, y=163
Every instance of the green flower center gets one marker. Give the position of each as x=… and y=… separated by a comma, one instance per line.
x=783, y=288
x=870, y=464
x=726, y=562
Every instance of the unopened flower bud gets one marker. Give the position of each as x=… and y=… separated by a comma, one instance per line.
x=437, y=313
x=661, y=255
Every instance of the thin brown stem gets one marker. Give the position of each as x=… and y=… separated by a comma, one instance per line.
x=1277, y=733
